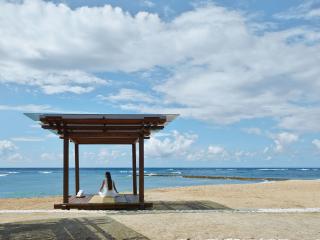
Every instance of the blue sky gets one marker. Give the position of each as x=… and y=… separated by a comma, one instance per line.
x=243, y=75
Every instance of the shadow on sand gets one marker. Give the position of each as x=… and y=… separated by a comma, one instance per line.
x=77, y=228
x=93, y=228
x=188, y=205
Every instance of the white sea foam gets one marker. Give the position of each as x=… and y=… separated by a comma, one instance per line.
x=44, y=172
x=176, y=172
x=151, y=174
x=125, y=171
x=170, y=169
x=3, y=175
x=304, y=169
x=12, y=172
x=272, y=169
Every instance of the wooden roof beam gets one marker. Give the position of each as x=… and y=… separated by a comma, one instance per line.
x=146, y=120
x=104, y=135
x=104, y=141
x=102, y=127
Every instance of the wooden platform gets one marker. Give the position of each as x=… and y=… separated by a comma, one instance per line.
x=122, y=202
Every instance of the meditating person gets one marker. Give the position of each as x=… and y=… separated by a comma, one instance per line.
x=108, y=188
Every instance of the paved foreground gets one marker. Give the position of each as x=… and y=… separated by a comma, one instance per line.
x=162, y=225
x=74, y=228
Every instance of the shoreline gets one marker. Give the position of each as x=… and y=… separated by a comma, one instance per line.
x=265, y=181
x=277, y=194
x=262, y=181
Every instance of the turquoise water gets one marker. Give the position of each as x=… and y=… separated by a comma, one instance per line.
x=35, y=182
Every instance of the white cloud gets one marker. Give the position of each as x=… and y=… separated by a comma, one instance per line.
x=284, y=139
x=15, y=157
x=229, y=73
x=316, y=143
x=27, y=108
x=46, y=156
x=147, y=3
x=8, y=151
x=131, y=95
x=103, y=155
x=176, y=145
x=253, y=130
x=220, y=69
x=216, y=150
x=108, y=155
x=6, y=146
x=307, y=10
x=51, y=135
x=27, y=139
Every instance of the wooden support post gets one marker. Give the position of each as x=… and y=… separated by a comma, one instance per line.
x=76, y=167
x=141, y=169
x=65, y=169
x=134, y=169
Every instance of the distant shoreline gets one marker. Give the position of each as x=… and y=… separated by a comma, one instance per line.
x=219, y=177
x=269, y=168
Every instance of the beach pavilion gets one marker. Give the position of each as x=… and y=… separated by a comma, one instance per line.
x=127, y=129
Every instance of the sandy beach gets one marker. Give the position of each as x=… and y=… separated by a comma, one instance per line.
x=203, y=224
x=281, y=194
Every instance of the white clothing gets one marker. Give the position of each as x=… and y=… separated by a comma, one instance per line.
x=106, y=192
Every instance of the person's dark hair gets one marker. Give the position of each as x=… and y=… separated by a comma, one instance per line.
x=109, y=180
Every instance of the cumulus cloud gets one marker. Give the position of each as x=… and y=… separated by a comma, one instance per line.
x=316, y=143
x=175, y=145
x=220, y=70
x=8, y=151
x=216, y=150
x=284, y=139
x=7, y=146
x=224, y=72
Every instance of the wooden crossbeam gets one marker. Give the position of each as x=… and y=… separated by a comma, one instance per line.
x=103, y=127
x=104, y=141
x=154, y=121
x=104, y=135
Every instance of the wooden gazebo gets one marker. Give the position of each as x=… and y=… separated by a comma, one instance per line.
x=103, y=129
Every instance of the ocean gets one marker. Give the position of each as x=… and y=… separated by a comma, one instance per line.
x=37, y=182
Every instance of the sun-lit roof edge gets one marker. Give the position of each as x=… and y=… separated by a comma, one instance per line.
x=36, y=116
